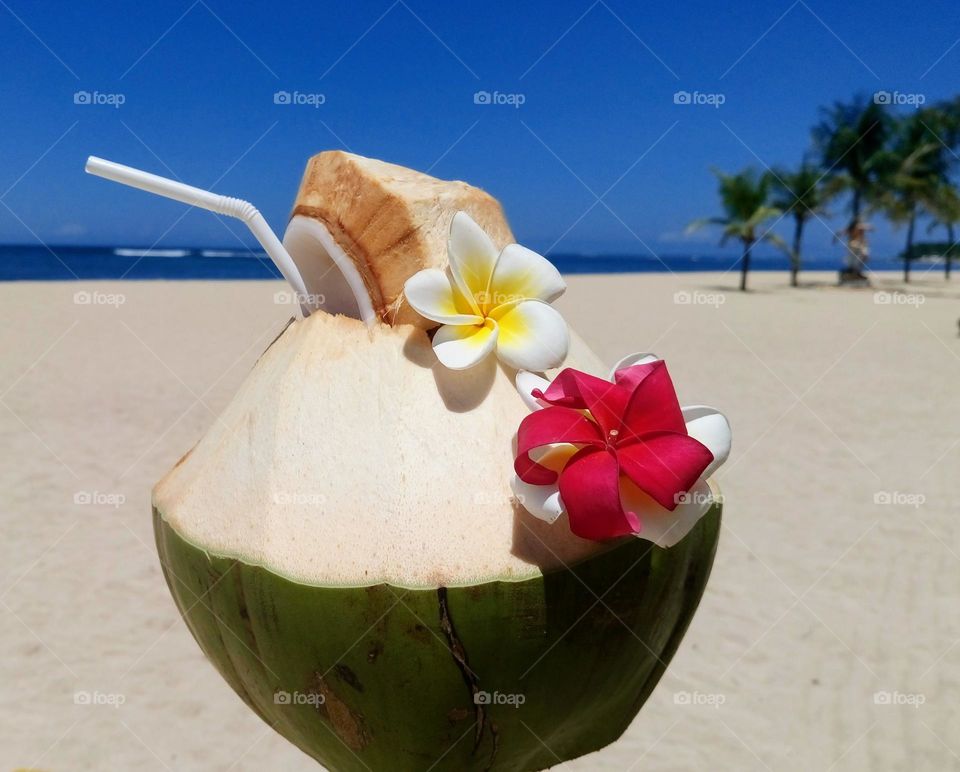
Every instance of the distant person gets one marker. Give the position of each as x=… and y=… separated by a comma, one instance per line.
x=858, y=251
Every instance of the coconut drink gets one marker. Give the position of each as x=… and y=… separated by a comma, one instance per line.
x=432, y=530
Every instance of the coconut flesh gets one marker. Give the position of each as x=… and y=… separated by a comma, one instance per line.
x=351, y=463
x=348, y=458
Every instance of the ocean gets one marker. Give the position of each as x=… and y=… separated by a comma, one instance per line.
x=56, y=263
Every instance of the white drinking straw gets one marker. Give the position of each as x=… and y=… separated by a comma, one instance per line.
x=232, y=207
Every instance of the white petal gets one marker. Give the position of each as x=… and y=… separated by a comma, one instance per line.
x=461, y=346
x=526, y=382
x=522, y=273
x=641, y=358
x=430, y=294
x=472, y=256
x=661, y=526
x=710, y=427
x=533, y=336
x=541, y=501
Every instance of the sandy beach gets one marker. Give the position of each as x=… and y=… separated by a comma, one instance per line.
x=828, y=636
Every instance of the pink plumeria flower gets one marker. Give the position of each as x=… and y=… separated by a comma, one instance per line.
x=641, y=495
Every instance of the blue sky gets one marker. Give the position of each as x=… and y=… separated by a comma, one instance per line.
x=398, y=80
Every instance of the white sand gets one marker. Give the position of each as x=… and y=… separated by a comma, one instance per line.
x=820, y=597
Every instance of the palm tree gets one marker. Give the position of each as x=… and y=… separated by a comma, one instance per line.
x=913, y=171
x=803, y=194
x=744, y=198
x=944, y=209
x=943, y=203
x=851, y=137
x=945, y=121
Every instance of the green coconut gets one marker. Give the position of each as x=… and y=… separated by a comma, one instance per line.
x=345, y=547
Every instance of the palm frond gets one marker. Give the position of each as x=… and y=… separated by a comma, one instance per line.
x=703, y=222
x=763, y=213
x=772, y=238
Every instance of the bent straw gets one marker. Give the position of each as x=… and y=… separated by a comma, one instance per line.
x=214, y=202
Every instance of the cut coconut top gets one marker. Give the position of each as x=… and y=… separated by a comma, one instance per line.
x=389, y=221
x=351, y=457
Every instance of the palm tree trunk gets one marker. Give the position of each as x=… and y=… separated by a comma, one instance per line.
x=949, y=260
x=853, y=261
x=745, y=264
x=795, y=257
x=908, y=254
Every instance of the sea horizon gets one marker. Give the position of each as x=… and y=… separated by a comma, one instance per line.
x=30, y=262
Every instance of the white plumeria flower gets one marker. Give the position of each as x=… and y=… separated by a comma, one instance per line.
x=487, y=301
x=658, y=524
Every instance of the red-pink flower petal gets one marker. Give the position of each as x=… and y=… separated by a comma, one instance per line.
x=631, y=376
x=590, y=490
x=546, y=427
x=664, y=465
x=653, y=405
x=606, y=401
